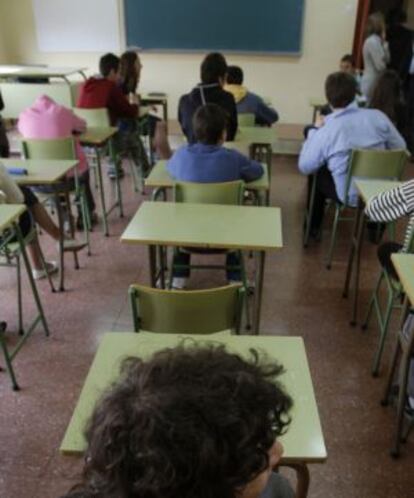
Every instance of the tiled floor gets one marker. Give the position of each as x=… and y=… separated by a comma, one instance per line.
x=301, y=298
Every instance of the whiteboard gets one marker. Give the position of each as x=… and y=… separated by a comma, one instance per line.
x=77, y=25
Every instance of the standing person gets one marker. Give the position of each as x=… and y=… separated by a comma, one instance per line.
x=189, y=422
x=329, y=144
x=210, y=90
x=388, y=98
x=129, y=72
x=400, y=40
x=375, y=53
x=248, y=101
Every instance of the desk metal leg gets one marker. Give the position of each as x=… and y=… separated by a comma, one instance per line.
x=60, y=243
x=355, y=252
x=303, y=478
x=258, y=291
x=101, y=191
x=34, y=290
x=152, y=253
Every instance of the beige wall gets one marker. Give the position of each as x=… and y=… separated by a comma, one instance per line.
x=288, y=81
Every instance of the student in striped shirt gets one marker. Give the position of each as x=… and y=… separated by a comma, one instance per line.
x=390, y=206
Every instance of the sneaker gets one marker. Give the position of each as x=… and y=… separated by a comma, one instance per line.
x=73, y=245
x=51, y=267
x=179, y=283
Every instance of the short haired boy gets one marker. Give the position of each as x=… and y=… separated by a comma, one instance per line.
x=248, y=102
x=330, y=142
x=189, y=422
x=210, y=90
x=207, y=161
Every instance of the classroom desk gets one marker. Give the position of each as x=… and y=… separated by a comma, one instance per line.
x=154, y=99
x=9, y=217
x=316, y=104
x=98, y=139
x=304, y=442
x=366, y=189
x=161, y=180
x=261, y=138
x=404, y=266
x=49, y=173
x=19, y=96
x=207, y=226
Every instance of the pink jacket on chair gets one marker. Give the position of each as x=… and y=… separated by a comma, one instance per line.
x=47, y=119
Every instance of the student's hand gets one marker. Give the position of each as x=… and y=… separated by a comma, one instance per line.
x=319, y=121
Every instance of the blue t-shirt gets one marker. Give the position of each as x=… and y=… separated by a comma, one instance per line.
x=212, y=164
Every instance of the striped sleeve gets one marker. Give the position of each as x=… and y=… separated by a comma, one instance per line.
x=392, y=204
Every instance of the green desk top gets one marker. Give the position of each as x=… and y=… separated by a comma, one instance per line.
x=317, y=102
x=404, y=266
x=9, y=213
x=369, y=188
x=205, y=225
x=40, y=71
x=256, y=134
x=40, y=171
x=147, y=97
x=97, y=136
x=160, y=177
x=304, y=440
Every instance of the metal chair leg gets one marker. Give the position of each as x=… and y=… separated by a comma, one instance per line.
x=333, y=238
x=8, y=362
x=373, y=301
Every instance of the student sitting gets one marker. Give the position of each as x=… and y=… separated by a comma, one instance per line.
x=210, y=90
x=190, y=422
x=386, y=207
x=247, y=101
x=46, y=119
x=10, y=193
x=331, y=140
x=207, y=161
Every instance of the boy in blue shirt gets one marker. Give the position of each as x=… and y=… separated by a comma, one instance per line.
x=248, y=102
x=207, y=161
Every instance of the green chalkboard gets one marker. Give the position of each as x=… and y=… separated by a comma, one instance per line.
x=260, y=26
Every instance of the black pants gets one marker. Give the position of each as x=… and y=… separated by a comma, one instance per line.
x=325, y=189
x=384, y=255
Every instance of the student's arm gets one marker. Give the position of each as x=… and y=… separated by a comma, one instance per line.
x=249, y=170
x=120, y=105
x=378, y=54
x=394, y=139
x=392, y=204
x=266, y=114
x=312, y=155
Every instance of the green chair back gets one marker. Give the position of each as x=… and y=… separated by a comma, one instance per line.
x=246, y=119
x=209, y=193
x=95, y=118
x=376, y=164
x=54, y=148
x=186, y=312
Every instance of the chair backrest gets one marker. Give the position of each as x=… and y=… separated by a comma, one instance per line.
x=54, y=148
x=209, y=193
x=376, y=164
x=95, y=118
x=246, y=119
x=186, y=312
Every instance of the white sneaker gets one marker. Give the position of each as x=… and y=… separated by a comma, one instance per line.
x=51, y=267
x=179, y=283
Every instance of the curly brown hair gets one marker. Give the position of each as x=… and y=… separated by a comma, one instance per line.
x=190, y=421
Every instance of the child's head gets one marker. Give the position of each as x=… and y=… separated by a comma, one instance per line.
x=340, y=89
x=130, y=66
x=190, y=421
x=213, y=69
x=234, y=75
x=346, y=64
x=109, y=66
x=209, y=124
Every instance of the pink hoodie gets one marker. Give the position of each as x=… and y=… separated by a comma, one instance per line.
x=47, y=119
